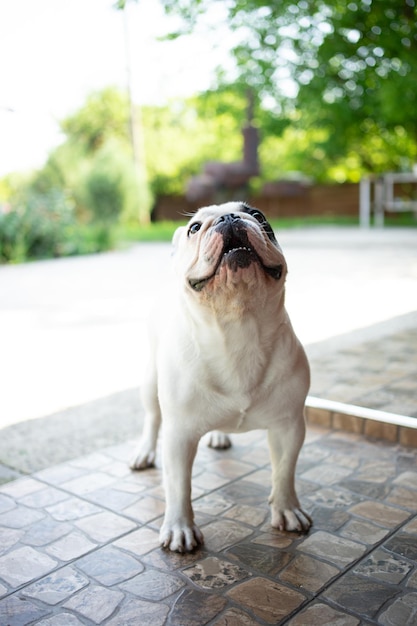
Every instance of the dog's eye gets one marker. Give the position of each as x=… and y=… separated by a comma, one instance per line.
x=194, y=228
x=258, y=216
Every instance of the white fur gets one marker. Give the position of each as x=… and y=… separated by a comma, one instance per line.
x=224, y=359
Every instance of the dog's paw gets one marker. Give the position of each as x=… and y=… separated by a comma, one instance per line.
x=142, y=458
x=180, y=537
x=217, y=439
x=294, y=520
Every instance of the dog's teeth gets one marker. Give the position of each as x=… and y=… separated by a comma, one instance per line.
x=239, y=248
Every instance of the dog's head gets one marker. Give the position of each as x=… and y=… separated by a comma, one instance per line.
x=227, y=249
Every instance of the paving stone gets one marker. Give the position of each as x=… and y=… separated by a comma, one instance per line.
x=384, y=514
x=222, y=534
x=339, y=551
x=360, y=595
x=20, y=517
x=23, y=565
x=44, y=532
x=6, y=503
x=214, y=573
x=22, y=487
x=145, y=509
x=236, y=617
x=385, y=566
x=411, y=527
x=361, y=530
x=326, y=474
x=168, y=561
x=195, y=608
x=405, y=498
x=213, y=504
x=17, y=612
x=57, y=587
x=368, y=489
x=245, y=492
x=334, y=498
x=274, y=538
x=230, y=468
x=110, y=566
x=263, y=559
x=72, y=509
x=63, y=619
x=128, y=486
x=88, y=483
x=139, y=542
x=412, y=581
x=8, y=538
x=103, y=527
x=3, y=590
x=43, y=497
x=72, y=546
x=117, y=469
x=152, y=585
x=247, y=514
x=328, y=519
x=323, y=615
x=402, y=611
x=112, y=498
x=151, y=614
x=308, y=573
x=95, y=603
x=404, y=544
x=208, y=481
x=7, y=474
x=59, y=474
x=268, y=600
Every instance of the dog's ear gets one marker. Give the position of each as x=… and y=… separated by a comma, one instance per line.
x=176, y=237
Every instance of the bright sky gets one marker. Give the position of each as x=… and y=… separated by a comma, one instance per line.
x=53, y=53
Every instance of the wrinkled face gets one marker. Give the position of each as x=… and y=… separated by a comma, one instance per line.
x=229, y=247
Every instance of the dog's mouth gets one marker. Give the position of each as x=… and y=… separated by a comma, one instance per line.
x=236, y=256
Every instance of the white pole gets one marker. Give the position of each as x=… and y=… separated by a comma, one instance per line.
x=365, y=203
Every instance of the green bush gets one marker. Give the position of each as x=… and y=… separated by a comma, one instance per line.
x=42, y=226
x=35, y=227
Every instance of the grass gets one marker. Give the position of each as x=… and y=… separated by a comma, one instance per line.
x=164, y=230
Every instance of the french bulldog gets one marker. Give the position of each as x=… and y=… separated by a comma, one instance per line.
x=224, y=358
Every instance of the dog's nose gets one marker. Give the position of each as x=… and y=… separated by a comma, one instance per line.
x=229, y=217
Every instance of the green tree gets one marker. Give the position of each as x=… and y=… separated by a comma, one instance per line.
x=105, y=115
x=348, y=68
x=182, y=135
x=97, y=153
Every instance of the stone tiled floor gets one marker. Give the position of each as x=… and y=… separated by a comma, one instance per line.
x=378, y=374
x=79, y=541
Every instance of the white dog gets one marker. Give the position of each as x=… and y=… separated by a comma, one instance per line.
x=225, y=357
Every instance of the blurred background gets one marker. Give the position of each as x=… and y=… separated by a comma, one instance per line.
x=113, y=114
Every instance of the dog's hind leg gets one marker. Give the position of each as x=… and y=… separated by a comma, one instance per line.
x=217, y=439
x=284, y=449
x=145, y=451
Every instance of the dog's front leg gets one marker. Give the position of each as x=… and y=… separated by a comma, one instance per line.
x=178, y=532
x=284, y=448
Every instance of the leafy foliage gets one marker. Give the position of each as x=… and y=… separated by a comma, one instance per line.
x=36, y=226
x=348, y=68
x=182, y=135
